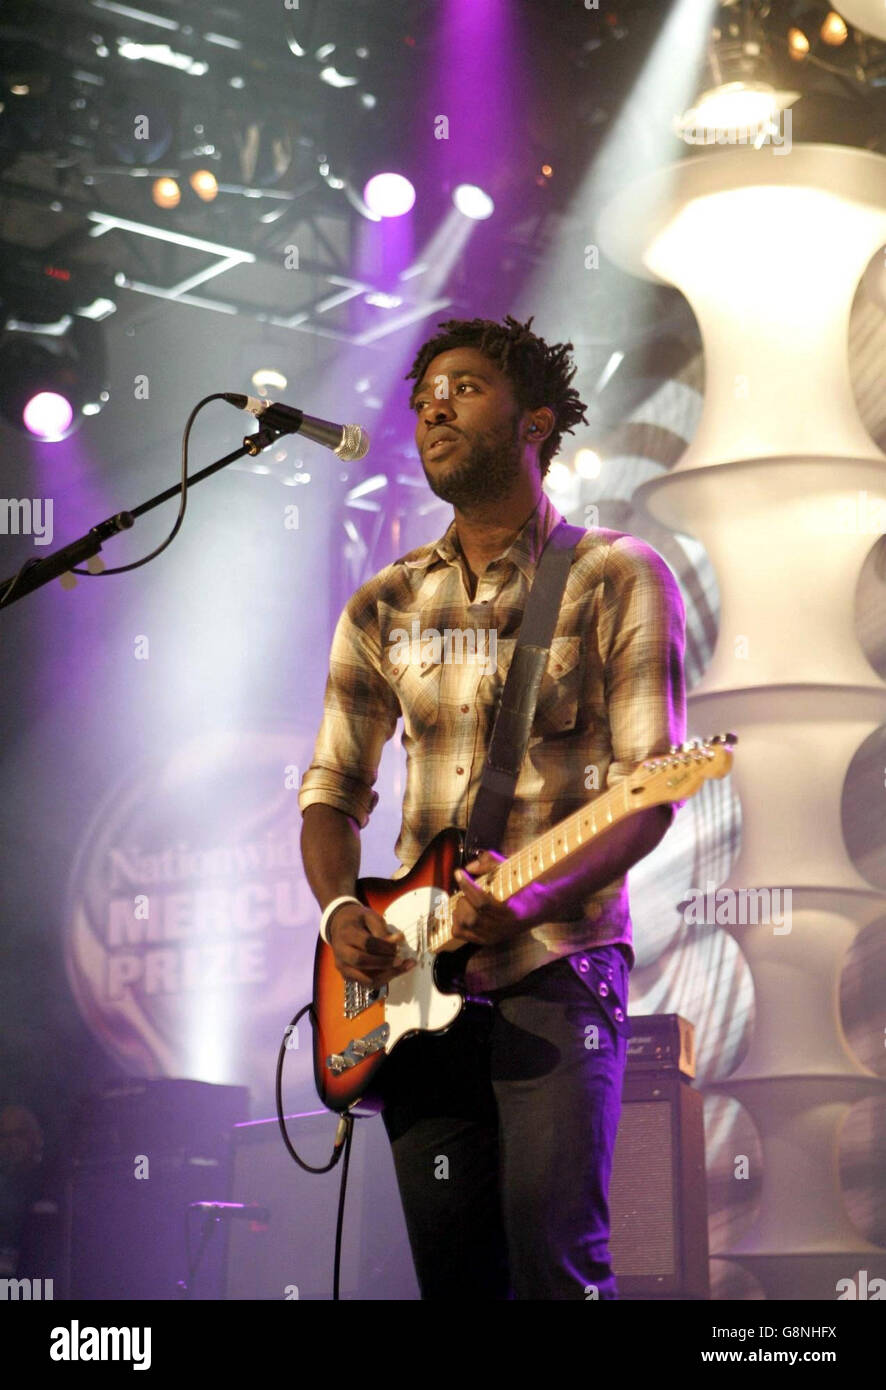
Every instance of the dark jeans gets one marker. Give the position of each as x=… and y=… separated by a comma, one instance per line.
x=502, y=1131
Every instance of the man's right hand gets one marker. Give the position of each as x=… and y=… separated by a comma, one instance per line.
x=365, y=947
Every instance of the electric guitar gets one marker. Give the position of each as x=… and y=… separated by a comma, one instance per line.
x=356, y=1026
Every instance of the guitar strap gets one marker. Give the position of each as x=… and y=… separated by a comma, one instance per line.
x=513, y=722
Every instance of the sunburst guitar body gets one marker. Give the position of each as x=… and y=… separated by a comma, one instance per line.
x=356, y=1027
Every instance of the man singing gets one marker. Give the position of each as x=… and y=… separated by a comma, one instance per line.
x=521, y=1096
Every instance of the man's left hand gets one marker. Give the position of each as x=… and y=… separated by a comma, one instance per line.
x=482, y=919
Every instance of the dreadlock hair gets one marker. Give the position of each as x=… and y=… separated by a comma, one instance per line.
x=539, y=374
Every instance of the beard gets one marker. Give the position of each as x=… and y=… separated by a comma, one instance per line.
x=489, y=471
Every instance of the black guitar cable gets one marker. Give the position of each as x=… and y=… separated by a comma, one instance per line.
x=341, y=1145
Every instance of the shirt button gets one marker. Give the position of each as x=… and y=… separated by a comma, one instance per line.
x=396, y=671
x=604, y=989
x=583, y=965
x=459, y=770
x=619, y=1015
x=465, y=709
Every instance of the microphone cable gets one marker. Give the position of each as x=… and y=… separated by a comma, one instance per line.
x=182, y=506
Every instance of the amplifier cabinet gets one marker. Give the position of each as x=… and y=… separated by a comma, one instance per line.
x=658, y=1190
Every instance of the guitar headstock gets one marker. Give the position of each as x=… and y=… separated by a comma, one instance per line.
x=678, y=774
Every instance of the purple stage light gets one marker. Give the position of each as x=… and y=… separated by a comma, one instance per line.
x=48, y=415
x=472, y=202
x=389, y=195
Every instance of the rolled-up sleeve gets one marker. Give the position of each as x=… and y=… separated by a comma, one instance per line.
x=642, y=636
x=360, y=713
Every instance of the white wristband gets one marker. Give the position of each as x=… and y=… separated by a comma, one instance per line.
x=330, y=908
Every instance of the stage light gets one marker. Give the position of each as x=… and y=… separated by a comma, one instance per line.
x=559, y=476
x=33, y=83
x=166, y=193
x=334, y=78
x=737, y=106
x=27, y=69
x=740, y=100
x=389, y=195
x=380, y=300
x=472, y=202
x=798, y=44
x=161, y=53
x=46, y=379
x=204, y=184
x=49, y=416
x=735, y=113
x=833, y=30
x=587, y=463
x=266, y=379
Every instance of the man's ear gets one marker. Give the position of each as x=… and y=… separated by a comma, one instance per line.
x=541, y=428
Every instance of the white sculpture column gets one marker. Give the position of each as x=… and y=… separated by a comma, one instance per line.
x=780, y=484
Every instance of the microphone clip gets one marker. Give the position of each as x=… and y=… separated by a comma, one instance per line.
x=260, y=439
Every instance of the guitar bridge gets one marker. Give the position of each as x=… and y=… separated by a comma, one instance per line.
x=357, y=1049
x=360, y=997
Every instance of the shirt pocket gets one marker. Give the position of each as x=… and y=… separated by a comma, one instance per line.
x=417, y=687
x=557, y=710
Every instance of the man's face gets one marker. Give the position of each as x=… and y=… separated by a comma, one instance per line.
x=467, y=428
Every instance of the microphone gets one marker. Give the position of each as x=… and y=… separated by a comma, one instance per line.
x=347, y=442
x=232, y=1209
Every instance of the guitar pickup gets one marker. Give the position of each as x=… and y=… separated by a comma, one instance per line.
x=359, y=997
x=358, y=1049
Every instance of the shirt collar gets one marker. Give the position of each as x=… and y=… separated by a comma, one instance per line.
x=524, y=550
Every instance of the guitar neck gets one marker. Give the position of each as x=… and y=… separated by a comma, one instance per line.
x=557, y=844
x=661, y=779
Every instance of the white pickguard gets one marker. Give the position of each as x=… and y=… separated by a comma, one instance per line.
x=413, y=1000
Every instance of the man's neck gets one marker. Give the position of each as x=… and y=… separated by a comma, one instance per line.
x=487, y=530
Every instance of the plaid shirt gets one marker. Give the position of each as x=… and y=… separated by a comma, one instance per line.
x=612, y=694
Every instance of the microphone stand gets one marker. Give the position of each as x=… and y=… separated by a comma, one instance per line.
x=36, y=573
